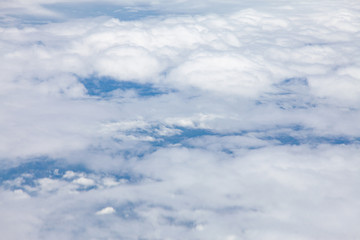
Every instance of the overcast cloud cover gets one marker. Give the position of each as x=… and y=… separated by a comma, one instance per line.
x=201, y=119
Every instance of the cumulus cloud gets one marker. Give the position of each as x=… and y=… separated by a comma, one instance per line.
x=223, y=120
x=228, y=74
x=105, y=211
x=202, y=193
x=84, y=181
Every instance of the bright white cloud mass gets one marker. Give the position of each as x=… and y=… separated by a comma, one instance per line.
x=198, y=119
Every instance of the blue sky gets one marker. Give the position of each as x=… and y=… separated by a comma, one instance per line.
x=200, y=119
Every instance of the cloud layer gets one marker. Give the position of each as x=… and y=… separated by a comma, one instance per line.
x=216, y=121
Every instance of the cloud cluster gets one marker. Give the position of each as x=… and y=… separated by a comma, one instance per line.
x=247, y=54
x=274, y=192
x=217, y=121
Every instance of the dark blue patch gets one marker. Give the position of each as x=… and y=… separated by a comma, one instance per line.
x=131, y=178
x=284, y=139
x=296, y=127
x=46, y=168
x=317, y=44
x=295, y=81
x=340, y=140
x=291, y=94
x=39, y=43
x=39, y=168
x=186, y=133
x=290, y=86
x=287, y=139
x=85, y=188
x=336, y=140
x=103, y=86
x=177, y=222
x=227, y=151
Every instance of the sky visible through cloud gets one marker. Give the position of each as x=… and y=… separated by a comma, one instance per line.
x=203, y=119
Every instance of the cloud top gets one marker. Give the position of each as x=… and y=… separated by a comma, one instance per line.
x=182, y=119
x=106, y=211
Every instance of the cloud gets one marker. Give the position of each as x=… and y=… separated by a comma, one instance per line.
x=223, y=120
x=198, y=56
x=127, y=64
x=105, y=211
x=84, y=181
x=261, y=190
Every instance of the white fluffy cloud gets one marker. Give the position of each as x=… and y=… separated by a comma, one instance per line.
x=225, y=74
x=223, y=120
x=201, y=194
x=105, y=211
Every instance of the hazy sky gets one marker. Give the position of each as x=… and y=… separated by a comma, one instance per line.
x=203, y=119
